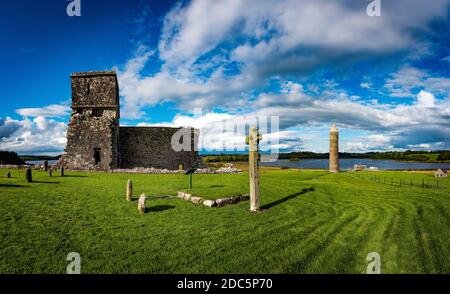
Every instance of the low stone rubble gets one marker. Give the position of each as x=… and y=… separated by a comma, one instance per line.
x=227, y=169
x=213, y=203
x=151, y=170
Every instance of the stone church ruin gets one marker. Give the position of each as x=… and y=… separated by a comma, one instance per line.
x=96, y=141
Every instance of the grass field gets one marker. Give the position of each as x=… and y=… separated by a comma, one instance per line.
x=312, y=222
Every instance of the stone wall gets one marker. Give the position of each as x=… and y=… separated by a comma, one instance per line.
x=95, y=89
x=87, y=135
x=96, y=142
x=151, y=147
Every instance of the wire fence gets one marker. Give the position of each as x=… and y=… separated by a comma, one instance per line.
x=397, y=182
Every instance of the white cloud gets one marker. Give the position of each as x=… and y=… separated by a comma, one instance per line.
x=188, y=31
x=425, y=99
x=54, y=110
x=8, y=126
x=40, y=135
x=365, y=85
x=216, y=52
x=408, y=81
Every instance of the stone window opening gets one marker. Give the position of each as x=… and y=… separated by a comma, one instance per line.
x=97, y=157
x=97, y=112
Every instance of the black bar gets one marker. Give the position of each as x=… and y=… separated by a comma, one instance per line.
x=152, y=283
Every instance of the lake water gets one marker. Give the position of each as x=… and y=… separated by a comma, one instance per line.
x=345, y=164
x=50, y=162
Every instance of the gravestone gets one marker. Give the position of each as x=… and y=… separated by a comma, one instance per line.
x=253, y=170
x=50, y=172
x=8, y=175
x=28, y=175
x=141, y=203
x=45, y=165
x=61, y=171
x=129, y=190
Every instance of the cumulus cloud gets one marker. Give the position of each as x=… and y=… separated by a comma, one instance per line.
x=217, y=53
x=39, y=135
x=408, y=81
x=369, y=143
x=425, y=99
x=386, y=126
x=8, y=126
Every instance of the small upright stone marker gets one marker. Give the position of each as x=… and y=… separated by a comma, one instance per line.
x=50, y=172
x=28, y=175
x=8, y=175
x=61, y=171
x=253, y=140
x=129, y=190
x=141, y=203
x=45, y=165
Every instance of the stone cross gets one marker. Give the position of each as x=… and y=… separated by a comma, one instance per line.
x=29, y=175
x=141, y=203
x=129, y=190
x=252, y=140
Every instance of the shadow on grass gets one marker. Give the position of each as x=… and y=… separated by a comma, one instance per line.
x=43, y=182
x=216, y=186
x=159, y=208
x=74, y=176
x=287, y=198
x=13, y=186
x=155, y=197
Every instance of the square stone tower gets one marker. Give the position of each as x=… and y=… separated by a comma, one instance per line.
x=93, y=130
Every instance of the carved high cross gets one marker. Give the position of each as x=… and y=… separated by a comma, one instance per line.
x=252, y=140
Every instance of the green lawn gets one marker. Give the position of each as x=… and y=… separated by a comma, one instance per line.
x=312, y=222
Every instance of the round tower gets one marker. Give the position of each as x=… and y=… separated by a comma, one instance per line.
x=334, y=150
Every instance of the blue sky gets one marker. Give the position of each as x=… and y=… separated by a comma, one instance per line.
x=385, y=81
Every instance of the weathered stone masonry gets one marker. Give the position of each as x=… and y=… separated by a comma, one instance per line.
x=140, y=146
x=96, y=141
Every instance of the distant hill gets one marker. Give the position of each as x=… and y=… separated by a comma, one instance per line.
x=422, y=156
x=8, y=157
x=39, y=157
